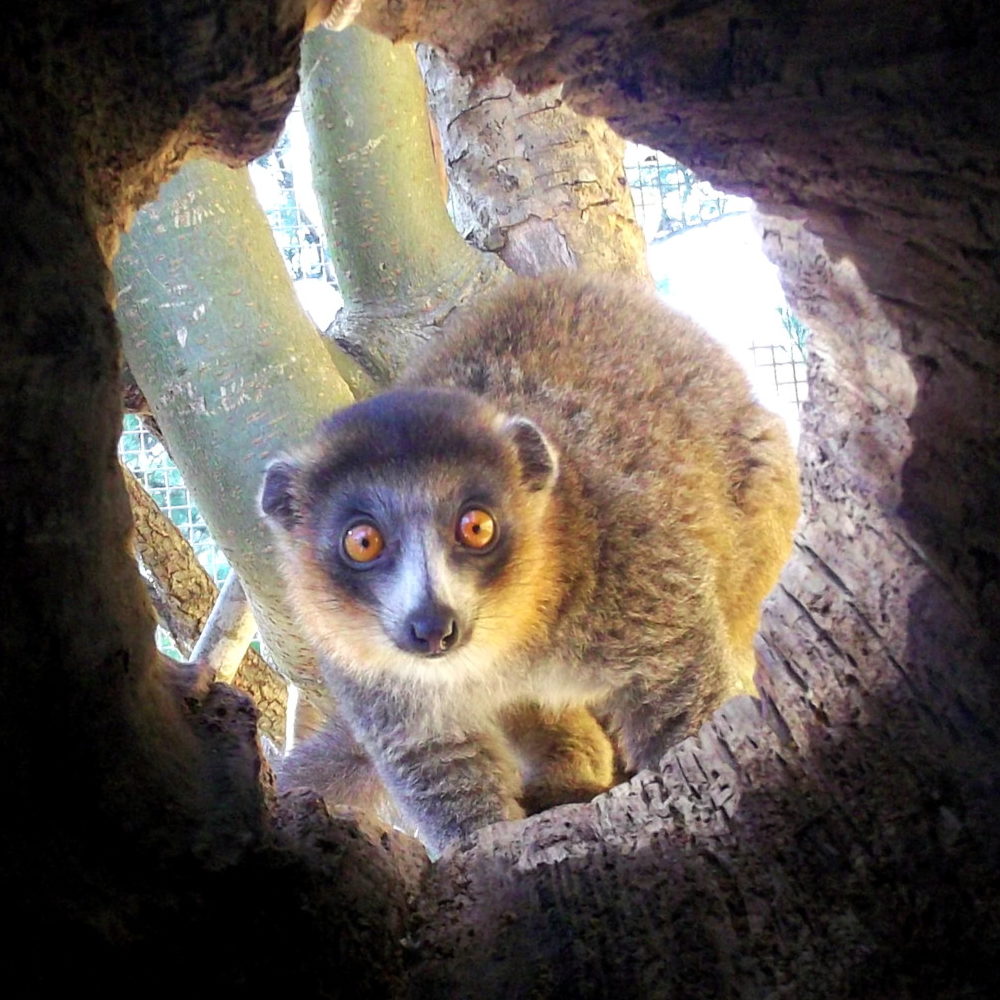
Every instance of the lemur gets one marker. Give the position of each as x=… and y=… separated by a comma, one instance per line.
x=569, y=509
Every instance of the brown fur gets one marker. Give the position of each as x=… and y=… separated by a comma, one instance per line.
x=635, y=577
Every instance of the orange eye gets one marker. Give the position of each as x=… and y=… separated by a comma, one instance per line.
x=475, y=529
x=363, y=543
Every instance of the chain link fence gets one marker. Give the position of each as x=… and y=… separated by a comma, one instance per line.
x=671, y=206
x=142, y=452
x=668, y=198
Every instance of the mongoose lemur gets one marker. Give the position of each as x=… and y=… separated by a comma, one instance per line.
x=547, y=545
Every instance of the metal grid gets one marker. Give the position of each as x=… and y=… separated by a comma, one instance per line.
x=145, y=456
x=669, y=199
x=787, y=367
x=296, y=227
x=787, y=362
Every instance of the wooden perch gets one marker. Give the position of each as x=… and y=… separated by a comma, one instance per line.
x=227, y=633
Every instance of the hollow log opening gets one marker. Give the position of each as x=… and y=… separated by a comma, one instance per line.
x=836, y=838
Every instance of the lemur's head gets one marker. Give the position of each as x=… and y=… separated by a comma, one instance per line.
x=417, y=532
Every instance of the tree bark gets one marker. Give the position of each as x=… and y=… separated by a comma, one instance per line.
x=185, y=597
x=182, y=586
x=530, y=180
x=138, y=826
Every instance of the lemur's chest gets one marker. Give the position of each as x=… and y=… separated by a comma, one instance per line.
x=561, y=680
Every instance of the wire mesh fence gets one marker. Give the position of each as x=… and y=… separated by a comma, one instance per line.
x=668, y=198
x=670, y=203
x=294, y=221
x=787, y=367
x=142, y=452
x=786, y=360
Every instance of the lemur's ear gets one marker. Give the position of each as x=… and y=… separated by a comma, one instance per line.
x=277, y=495
x=538, y=458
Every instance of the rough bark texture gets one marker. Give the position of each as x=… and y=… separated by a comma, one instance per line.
x=184, y=596
x=182, y=586
x=841, y=842
x=530, y=180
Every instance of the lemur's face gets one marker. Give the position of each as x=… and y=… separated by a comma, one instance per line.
x=416, y=536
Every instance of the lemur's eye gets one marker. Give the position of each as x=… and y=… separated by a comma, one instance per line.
x=475, y=529
x=363, y=543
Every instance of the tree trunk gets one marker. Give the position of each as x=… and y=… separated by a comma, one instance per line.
x=185, y=596
x=232, y=368
x=530, y=180
x=401, y=266
x=182, y=586
x=841, y=842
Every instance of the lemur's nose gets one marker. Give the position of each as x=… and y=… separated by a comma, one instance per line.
x=432, y=631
